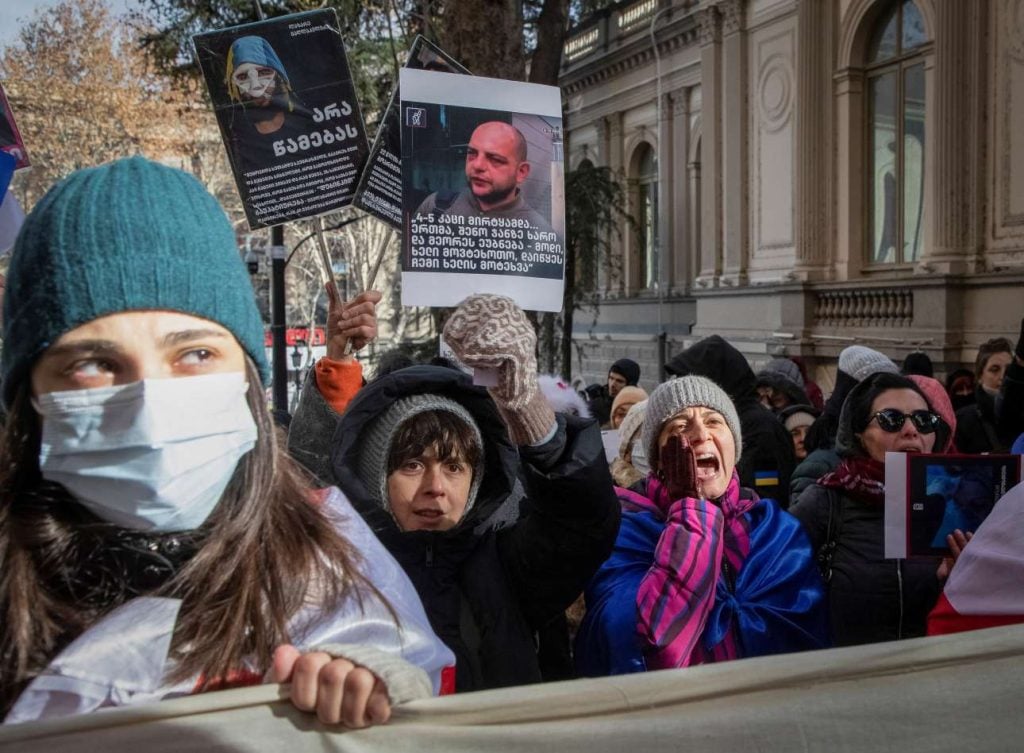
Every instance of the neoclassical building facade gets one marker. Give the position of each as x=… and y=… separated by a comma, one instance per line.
x=803, y=175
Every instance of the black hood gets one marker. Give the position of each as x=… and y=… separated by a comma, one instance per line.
x=500, y=456
x=720, y=362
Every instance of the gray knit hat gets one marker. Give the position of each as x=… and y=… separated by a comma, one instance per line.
x=860, y=362
x=670, y=397
x=377, y=438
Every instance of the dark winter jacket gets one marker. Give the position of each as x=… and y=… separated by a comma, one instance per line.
x=999, y=418
x=768, y=458
x=493, y=580
x=810, y=469
x=871, y=598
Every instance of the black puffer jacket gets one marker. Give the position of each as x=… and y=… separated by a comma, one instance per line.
x=767, y=447
x=999, y=418
x=492, y=581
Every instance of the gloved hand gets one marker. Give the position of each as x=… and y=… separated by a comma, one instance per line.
x=679, y=469
x=492, y=332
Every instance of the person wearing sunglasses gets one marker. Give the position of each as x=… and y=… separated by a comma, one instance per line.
x=872, y=598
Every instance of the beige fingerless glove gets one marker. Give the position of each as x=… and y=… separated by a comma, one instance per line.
x=404, y=681
x=492, y=332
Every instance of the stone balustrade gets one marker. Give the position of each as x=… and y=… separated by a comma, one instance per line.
x=872, y=307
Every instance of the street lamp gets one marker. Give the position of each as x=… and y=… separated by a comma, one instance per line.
x=297, y=362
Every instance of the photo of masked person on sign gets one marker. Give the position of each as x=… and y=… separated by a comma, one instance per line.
x=257, y=81
x=482, y=190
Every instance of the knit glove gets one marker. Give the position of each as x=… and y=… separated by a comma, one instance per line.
x=679, y=469
x=492, y=332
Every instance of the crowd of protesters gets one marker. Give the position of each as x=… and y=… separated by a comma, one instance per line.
x=417, y=534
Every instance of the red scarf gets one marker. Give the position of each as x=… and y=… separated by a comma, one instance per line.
x=860, y=477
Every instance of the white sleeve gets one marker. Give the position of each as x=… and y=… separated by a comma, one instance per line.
x=118, y=661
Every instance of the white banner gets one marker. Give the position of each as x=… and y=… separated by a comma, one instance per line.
x=957, y=692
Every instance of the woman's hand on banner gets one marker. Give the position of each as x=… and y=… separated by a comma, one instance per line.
x=957, y=541
x=338, y=691
x=350, y=324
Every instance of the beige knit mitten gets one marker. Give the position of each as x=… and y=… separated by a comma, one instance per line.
x=492, y=332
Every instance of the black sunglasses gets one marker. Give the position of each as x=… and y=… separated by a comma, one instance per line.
x=891, y=420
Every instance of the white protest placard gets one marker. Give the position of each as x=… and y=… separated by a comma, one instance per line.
x=482, y=190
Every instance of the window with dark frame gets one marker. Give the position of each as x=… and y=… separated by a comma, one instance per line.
x=895, y=74
x=647, y=217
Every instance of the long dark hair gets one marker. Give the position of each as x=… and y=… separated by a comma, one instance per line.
x=263, y=551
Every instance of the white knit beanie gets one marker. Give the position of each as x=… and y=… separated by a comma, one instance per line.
x=860, y=362
x=675, y=395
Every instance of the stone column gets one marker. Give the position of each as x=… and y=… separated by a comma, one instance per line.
x=693, y=233
x=813, y=138
x=601, y=126
x=616, y=161
x=711, y=147
x=681, y=251
x=734, y=183
x=952, y=160
x=604, y=269
x=665, y=154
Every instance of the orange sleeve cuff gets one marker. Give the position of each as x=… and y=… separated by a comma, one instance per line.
x=338, y=381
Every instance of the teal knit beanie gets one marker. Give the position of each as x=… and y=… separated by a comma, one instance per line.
x=128, y=235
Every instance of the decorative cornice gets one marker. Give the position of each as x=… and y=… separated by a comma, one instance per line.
x=614, y=125
x=1014, y=13
x=667, y=106
x=601, y=70
x=709, y=23
x=731, y=12
x=680, y=102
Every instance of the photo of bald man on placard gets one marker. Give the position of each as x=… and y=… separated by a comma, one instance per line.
x=497, y=165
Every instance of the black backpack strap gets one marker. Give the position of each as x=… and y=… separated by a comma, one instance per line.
x=990, y=432
x=835, y=524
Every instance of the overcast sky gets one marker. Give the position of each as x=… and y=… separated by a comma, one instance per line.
x=14, y=13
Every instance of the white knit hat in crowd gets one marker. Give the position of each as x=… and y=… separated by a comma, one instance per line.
x=860, y=362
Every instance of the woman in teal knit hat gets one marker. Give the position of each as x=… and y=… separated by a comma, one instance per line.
x=155, y=539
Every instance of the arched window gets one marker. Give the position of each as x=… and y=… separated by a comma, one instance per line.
x=896, y=122
x=647, y=216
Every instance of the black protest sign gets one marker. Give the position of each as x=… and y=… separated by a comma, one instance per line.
x=287, y=110
x=380, y=188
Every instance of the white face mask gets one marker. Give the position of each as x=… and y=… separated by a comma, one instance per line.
x=254, y=81
x=153, y=455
